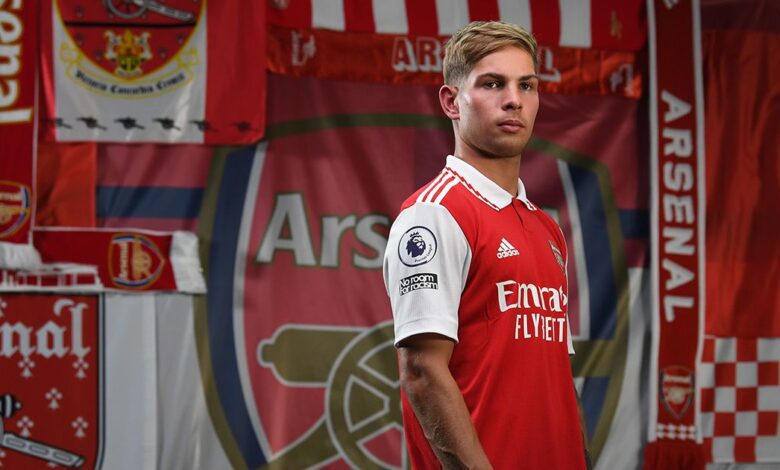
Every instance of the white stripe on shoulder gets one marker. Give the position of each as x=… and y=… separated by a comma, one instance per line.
x=427, y=190
x=454, y=181
x=441, y=182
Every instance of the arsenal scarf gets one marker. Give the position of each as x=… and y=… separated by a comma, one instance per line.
x=677, y=207
x=129, y=260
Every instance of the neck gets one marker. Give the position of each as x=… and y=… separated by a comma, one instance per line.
x=503, y=171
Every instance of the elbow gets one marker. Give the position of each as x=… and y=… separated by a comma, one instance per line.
x=423, y=367
x=416, y=377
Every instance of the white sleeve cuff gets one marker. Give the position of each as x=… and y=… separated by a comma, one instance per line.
x=426, y=325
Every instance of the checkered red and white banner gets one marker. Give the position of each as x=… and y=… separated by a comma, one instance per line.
x=18, y=74
x=740, y=399
x=598, y=24
x=677, y=233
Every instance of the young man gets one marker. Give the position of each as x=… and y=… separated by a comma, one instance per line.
x=476, y=274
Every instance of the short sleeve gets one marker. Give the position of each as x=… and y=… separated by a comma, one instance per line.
x=426, y=263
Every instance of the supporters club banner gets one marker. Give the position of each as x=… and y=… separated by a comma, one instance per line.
x=18, y=74
x=677, y=201
x=153, y=71
x=297, y=322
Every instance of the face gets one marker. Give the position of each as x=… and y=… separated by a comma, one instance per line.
x=494, y=107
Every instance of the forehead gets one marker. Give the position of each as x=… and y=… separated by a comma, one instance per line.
x=509, y=61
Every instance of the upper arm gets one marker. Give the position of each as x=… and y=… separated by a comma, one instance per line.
x=425, y=268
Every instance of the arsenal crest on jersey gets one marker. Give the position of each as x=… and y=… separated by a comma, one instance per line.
x=558, y=255
x=14, y=207
x=677, y=389
x=50, y=399
x=129, y=48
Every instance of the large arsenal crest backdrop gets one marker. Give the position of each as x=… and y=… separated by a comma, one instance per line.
x=297, y=316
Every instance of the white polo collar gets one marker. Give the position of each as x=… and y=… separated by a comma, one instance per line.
x=484, y=188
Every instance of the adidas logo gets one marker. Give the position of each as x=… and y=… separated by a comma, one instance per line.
x=505, y=250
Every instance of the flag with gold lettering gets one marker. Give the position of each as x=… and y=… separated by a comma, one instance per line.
x=153, y=71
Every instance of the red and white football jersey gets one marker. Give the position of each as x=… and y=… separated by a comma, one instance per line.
x=468, y=261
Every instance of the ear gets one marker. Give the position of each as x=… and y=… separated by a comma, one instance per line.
x=448, y=98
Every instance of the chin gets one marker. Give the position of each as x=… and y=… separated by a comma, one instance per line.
x=507, y=151
x=500, y=154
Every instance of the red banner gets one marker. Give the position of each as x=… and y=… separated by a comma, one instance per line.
x=131, y=260
x=65, y=184
x=417, y=60
x=677, y=208
x=743, y=150
x=18, y=74
x=148, y=72
x=51, y=394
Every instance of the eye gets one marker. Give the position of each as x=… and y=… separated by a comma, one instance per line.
x=492, y=84
x=528, y=86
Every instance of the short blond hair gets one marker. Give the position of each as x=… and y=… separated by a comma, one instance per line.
x=479, y=39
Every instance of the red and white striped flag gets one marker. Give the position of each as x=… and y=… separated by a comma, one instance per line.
x=598, y=24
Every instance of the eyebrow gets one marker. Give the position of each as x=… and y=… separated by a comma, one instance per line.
x=502, y=77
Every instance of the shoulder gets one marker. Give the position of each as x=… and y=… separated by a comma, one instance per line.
x=445, y=190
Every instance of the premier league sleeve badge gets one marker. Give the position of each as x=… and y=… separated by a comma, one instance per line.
x=417, y=246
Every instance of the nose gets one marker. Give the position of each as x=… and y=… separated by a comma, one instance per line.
x=511, y=99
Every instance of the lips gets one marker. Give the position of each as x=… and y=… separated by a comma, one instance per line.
x=511, y=125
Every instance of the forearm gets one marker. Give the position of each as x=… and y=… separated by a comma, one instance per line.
x=445, y=420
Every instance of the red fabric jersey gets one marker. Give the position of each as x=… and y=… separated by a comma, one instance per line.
x=466, y=260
